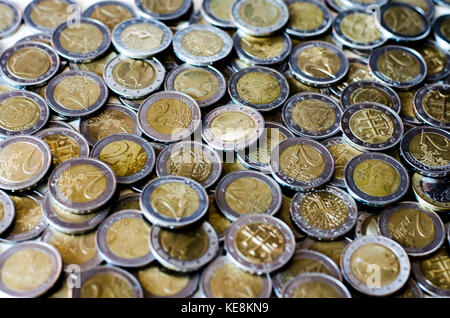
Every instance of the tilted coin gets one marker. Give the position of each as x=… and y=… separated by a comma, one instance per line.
x=11, y=18
x=60, y=124
x=442, y=2
x=204, y=84
x=217, y=220
x=308, y=18
x=432, y=193
x=419, y=231
x=163, y=10
x=111, y=13
x=83, y=41
x=201, y=44
x=237, y=64
x=363, y=4
x=367, y=224
x=197, y=17
x=222, y=279
x=427, y=6
x=141, y=38
x=174, y=201
x=441, y=29
x=133, y=104
x=407, y=112
x=358, y=71
x=438, y=61
x=7, y=211
x=431, y=104
x=129, y=201
x=410, y=290
x=285, y=216
x=315, y=285
x=259, y=243
x=45, y=15
x=45, y=38
x=29, y=269
x=427, y=150
x=295, y=86
x=332, y=249
x=97, y=66
x=184, y=250
x=218, y=12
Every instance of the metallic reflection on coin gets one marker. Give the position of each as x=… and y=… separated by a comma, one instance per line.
x=315, y=285
x=430, y=105
x=11, y=17
x=111, y=13
x=46, y=15
x=308, y=18
x=438, y=61
x=218, y=12
x=163, y=10
x=7, y=212
x=367, y=224
x=432, y=193
x=441, y=31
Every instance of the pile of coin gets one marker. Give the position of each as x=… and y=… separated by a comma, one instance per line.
x=225, y=148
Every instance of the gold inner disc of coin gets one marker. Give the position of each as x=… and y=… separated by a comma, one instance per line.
x=263, y=152
x=372, y=126
x=248, y=196
x=313, y=115
x=108, y=122
x=263, y=48
x=422, y=4
x=399, y=65
x=69, y=217
x=162, y=6
x=259, y=13
x=158, y=282
x=74, y=249
x=314, y=289
x=233, y=126
x=430, y=149
x=333, y=250
x=260, y=243
x=28, y=214
x=142, y=36
x=106, y=285
x=360, y=27
x=187, y=245
x=436, y=104
x=190, y=162
x=296, y=87
x=63, y=148
x=134, y=74
x=318, y=62
x=285, y=214
x=81, y=38
x=370, y=225
x=301, y=266
x=198, y=83
x=174, y=200
x=305, y=16
x=20, y=161
x=29, y=63
x=202, y=43
x=407, y=98
x=436, y=269
x=111, y=15
x=435, y=59
x=2, y=211
x=302, y=162
x=125, y=157
x=376, y=178
x=221, y=9
x=6, y=16
x=169, y=116
x=342, y=154
x=370, y=94
x=19, y=113
x=51, y=13
x=76, y=92
x=258, y=88
x=97, y=66
x=215, y=218
x=403, y=20
x=356, y=72
x=445, y=28
x=82, y=183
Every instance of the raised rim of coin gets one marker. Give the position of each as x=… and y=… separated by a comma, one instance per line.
x=435, y=244
x=411, y=160
x=68, y=227
x=185, y=56
x=136, y=53
x=331, y=281
x=130, y=279
x=373, y=67
x=363, y=145
x=302, y=132
x=29, y=10
x=209, y=16
x=394, y=247
x=260, y=268
x=209, y=138
x=81, y=57
x=21, y=81
x=102, y=243
x=45, y=286
x=184, y=265
x=429, y=13
x=299, y=185
x=336, y=5
x=446, y=70
x=178, y=222
x=422, y=113
x=315, y=81
x=363, y=5
x=82, y=207
x=169, y=83
x=207, y=151
x=39, y=124
x=178, y=13
x=89, y=10
x=321, y=29
x=42, y=147
x=361, y=221
x=433, y=184
x=178, y=135
x=58, y=123
x=209, y=271
x=67, y=112
x=441, y=39
x=238, y=99
x=132, y=104
x=361, y=196
x=42, y=37
x=337, y=89
x=223, y=184
x=9, y=211
x=17, y=19
x=259, y=31
x=124, y=199
x=146, y=147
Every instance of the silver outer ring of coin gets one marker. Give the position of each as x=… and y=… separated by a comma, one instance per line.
x=169, y=83
x=17, y=19
x=136, y=53
x=418, y=105
x=355, y=4
x=315, y=81
x=39, y=124
x=82, y=57
x=361, y=222
x=84, y=124
x=337, y=286
x=59, y=124
x=259, y=31
x=223, y=184
x=244, y=157
x=348, y=91
x=446, y=71
x=341, y=37
x=366, y=198
x=326, y=262
x=106, y=269
x=424, y=283
x=146, y=13
x=207, y=151
x=434, y=245
x=209, y=271
x=130, y=103
x=394, y=247
x=336, y=6
x=82, y=207
x=67, y=227
x=436, y=193
x=209, y=138
x=133, y=93
x=299, y=131
x=44, y=287
x=41, y=146
x=20, y=81
x=393, y=35
x=298, y=185
x=429, y=13
x=321, y=29
x=308, y=242
x=38, y=37
x=301, y=223
x=253, y=60
x=88, y=12
x=357, y=143
x=9, y=211
x=237, y=64
x=124, y=200
x=262, y=268
x=426, y=170
x=373, y=67
x=67, y=112
x=238, y=99
x=184, y=133
x=173, y=223
x=102, y=244
x=336, y=88
x=184, y=265
x=412, y=285
x=29, y=20
x=96, y=260
x=185, y=56
x=441, y=40
x=148, y=149
x=212, y=19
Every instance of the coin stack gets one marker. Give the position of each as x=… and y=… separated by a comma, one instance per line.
x=225, y=148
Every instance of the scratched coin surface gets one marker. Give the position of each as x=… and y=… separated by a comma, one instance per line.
x=46, y=15
x=162, y=9
x=307, y=18
x=431, y=104
x=111, y=13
